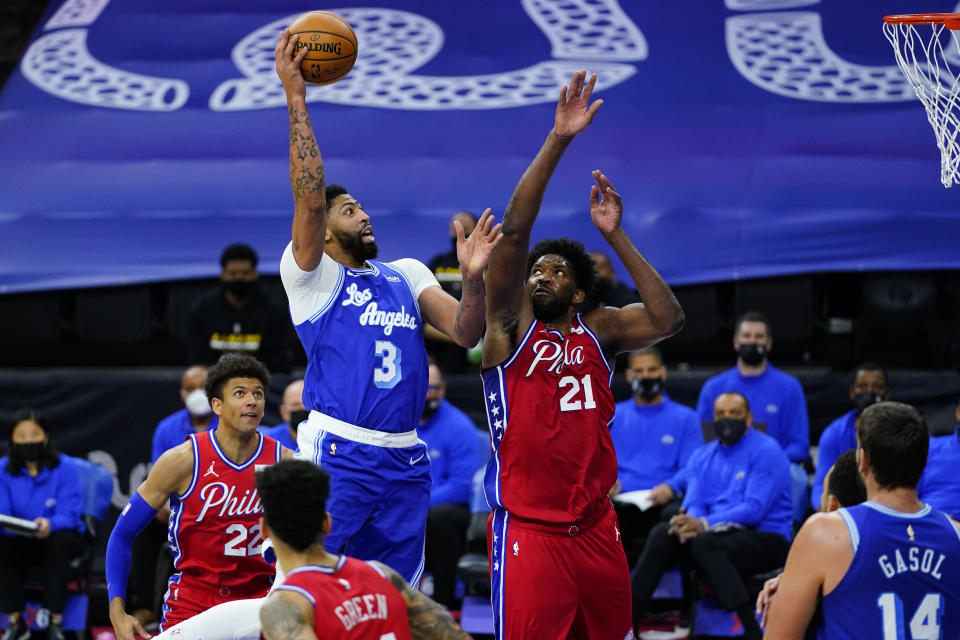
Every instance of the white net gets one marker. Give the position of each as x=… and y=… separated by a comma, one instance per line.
x=929, y=56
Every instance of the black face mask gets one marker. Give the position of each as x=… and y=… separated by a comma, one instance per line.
x=647, y=388
x=729, y=430
x=430, y=408
x=298, y=416
x=239, y=288
x=31, y=451
x=752, y=354
x=865, y=399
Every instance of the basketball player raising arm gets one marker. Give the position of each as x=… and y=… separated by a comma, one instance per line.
x=351, y=237
x=361, y=324
x=512, y=297
x=549, y=405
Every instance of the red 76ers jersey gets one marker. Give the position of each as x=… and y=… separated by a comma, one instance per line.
x=352, y=601
x=214, y=530
x=549, y=409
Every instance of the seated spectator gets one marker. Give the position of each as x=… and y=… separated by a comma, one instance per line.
x=869, y=386
x=38, y=484
x=453, y=446
x=293, y=413
x=940, y=483
x=776, y=397
x=237, y=317
x=654, y=438
x=196, y=416
x=450, y=356
x=608, y=291
x=736, y=518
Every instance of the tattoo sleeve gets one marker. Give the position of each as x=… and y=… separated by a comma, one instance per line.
x=427, y=618
x=280, y=619
x=306, y=164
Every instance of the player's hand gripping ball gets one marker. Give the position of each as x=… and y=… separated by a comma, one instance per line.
x=331, y=46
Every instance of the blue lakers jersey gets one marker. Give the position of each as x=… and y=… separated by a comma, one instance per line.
x=904, y=581
x=362, y=332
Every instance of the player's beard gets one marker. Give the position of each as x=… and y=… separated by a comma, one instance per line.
x=549, y=311
x=354, y=246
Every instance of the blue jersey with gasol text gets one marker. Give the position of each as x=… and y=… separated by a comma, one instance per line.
x=363, y=335
x=904, y=581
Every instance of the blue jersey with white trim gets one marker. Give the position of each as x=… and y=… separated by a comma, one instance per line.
x=904, y=581
x=366, y=361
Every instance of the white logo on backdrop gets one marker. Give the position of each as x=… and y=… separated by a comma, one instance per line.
x=783, y=52
x=595, y=34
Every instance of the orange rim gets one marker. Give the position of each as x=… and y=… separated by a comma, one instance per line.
x=949, y=20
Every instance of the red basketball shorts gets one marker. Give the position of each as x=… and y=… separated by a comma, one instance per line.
x=555, y=582
x=183, y=600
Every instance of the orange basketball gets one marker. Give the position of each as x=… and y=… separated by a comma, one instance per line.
x=331, y=44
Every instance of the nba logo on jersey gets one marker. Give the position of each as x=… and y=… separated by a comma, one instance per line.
x=516, y=549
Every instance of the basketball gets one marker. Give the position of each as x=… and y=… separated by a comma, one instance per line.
x=331, y=44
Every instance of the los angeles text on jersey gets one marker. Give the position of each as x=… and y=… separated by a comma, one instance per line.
x=370, y=606
x=914, y=559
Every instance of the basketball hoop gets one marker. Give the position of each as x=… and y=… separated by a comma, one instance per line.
x=928, y=53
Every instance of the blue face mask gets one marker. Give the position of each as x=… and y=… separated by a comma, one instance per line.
x=729, y=430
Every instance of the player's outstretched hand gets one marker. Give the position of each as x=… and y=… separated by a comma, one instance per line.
x=126, y=627
x=288, y=64
x=474, y=252
x=606, y=207
x=574, y=111
x=765, y=597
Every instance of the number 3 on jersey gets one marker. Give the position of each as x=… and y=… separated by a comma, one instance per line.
x=387, y=375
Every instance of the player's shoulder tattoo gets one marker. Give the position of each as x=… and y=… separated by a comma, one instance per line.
x=281, y=619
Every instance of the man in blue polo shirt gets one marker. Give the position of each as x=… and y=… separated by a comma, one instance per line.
x=654, y=438
x=737, y=514
x=293, y=413
x=869, y=387
x=776, y=397
x=196, y=416
x=940, y=484
x=455, y=447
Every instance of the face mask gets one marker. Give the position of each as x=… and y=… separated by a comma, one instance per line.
x=865, y=399
x=298, y=416
x=752, y=354
x=197, y=404
x=647, y=388
x=729, y=430
x=239, y=288
x=430, y=408
x=30, y=451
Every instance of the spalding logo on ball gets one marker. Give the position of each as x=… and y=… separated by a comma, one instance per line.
x=331, y=46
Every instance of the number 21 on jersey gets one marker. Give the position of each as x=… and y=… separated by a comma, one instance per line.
x=573, y=399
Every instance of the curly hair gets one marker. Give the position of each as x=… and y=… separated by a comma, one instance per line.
x=294, y=496
x=574, y=253
x=234, y=365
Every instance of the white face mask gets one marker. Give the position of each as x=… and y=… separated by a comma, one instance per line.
x=197, y=404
